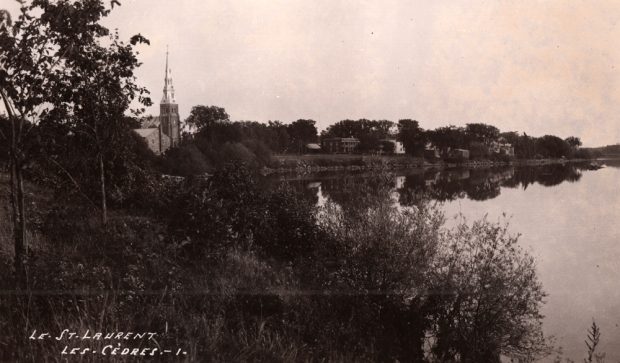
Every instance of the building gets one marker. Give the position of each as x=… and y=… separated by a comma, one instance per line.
x=340, y=145
x=164, y=131
x=312, y=148
x=502, y=147
x=155, y=139
x=459, y=154
x=397, y=148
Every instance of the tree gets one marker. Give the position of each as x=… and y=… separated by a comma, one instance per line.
x=203, y=117
x=99, y=85
x=344, y=128
x=447, y=137
x=481, y=133
x=573, y=141
x=29, y=59
x=302, y=132
x=412, y=136
x=369, y=132
x=280, y=140
x=552, y=146
x=54, y=68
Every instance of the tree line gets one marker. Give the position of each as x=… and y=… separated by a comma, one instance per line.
x=214, y=139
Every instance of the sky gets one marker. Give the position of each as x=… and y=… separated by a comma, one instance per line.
x=540, y=67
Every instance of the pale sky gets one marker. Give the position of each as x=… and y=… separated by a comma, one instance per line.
x=543, y=67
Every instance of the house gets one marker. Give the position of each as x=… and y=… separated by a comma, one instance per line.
x=459, y=154
x=396, y=147
x=502, y=147
x=431, y=153
x=340, y=145
x=312, y=148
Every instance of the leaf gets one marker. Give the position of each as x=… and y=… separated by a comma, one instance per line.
x=138, y=38
x=114, y=2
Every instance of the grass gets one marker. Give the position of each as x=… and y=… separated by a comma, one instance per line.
x=341, y=160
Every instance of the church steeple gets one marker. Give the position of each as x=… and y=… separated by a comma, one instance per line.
x=168, y=87
x=169, y=121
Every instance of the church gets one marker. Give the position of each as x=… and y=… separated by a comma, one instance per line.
x=164, y=131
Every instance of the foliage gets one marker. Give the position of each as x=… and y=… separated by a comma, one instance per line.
x=552, y=146
x=369, y=132
x=490, y=296
x=203, y=117
x=302, y=132
x=593, y=339
x=481, y=133
x=412, y=136
x=447, y=137
x=573, y=141
x=185, y=160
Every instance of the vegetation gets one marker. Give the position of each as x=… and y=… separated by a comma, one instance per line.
x=281, y=280
x=216, y=141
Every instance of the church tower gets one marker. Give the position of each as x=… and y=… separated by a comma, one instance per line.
x=169, y=121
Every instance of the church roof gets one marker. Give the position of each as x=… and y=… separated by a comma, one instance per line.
x=149, y=122
x=144, y=132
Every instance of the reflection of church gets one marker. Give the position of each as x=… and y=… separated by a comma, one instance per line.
x=164, y=131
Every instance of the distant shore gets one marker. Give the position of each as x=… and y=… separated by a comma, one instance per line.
x=312, y=163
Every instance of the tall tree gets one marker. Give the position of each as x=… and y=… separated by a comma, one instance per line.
x=447, y=137
x=203, y=117
x=302, y=132
x=99, y=84
x=412, y=136
x=481, y=133
x=552, y=146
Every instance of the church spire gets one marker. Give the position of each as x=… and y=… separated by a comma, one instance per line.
x=168, y=87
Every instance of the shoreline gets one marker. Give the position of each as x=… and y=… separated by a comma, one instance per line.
x=304, y=164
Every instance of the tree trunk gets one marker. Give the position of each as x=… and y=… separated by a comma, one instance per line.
x=21, y=248
x=104, y=208
x=18, y=206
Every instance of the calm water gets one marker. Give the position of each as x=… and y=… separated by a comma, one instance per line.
x=568, y=218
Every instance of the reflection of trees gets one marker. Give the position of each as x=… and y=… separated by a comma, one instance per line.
x=412, y=190
x=482, y=191
x=435, y=185
x=483, y=184
x=557, y=175
x=548, y=175
x=447, y=190
x=350, y=190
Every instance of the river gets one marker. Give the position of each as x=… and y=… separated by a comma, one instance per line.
x=568, y=218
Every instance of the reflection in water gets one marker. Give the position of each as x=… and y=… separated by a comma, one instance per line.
x=442, y=186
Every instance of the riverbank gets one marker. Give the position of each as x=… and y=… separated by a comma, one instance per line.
x=302, y=164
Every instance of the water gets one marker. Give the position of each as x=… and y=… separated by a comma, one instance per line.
x=568, y=218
